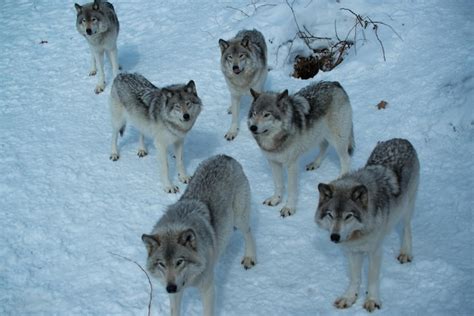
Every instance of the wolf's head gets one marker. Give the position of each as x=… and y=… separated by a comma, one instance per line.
x=90, y=19
x=182, y=105
x=267, y=114
x=173, y=257
x=237, y=55
x=342, y=210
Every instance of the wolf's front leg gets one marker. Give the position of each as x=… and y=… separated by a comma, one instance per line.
x=113, y=57
x=165, y=177
x=178, y=152
x=234, y=126
x=99, y=58
x=277, y=173
x=355, y=267
x=372, y=300
x=175, y=302
x=93, y=70
x=290, y=207
x=207, y=294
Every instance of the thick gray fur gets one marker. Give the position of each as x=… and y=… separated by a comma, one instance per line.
x=244, y=65
x=166, y=115
x=285, y=126
x=185, y=244
x=362, y=207
x=99, y=25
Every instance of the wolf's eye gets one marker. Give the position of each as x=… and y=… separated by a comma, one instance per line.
x=229, y=57
x=328, y=214
x=266, y=115
x=241, y=56
x=177, y=106
x=161, y=264
x=94, y=20
x=83, y=21
x=179, y=262
x=348, y=216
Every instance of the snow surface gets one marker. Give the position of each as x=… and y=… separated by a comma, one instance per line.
x=65, y=206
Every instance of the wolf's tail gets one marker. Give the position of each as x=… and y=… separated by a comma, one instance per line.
x=350, y=149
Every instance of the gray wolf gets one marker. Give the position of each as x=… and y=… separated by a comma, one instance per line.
x=99, y=25
x=244, y=65
x=361, y=207
x=285, y=126
x=185, y=244
x=166, y=115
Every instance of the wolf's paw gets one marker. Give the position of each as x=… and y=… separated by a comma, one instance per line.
x=99, y=88
x=114, y=157
x=231, y=134
x=93, y=72
x=142, y=153
x=312, y=166
x=273, y=200
x=248, y=262
x=287, y=211
x=229, y=110
x=404, y=258
x=184, y=178
x=371, y=304
x=171, y=189
x=345, y=302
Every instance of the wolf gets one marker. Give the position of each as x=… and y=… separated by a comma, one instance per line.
x=361, y=207
x=98, y=23
x=166, y=115
x=185, y=244
x=285, y=126
x=244, y=65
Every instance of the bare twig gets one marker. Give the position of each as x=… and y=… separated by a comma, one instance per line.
x=149, y=281
x=236, y=9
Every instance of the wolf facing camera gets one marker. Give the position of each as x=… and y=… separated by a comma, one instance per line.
x=362, y=207
x=98, y=23
x=185, y=245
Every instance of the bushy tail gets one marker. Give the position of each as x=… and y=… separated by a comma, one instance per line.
x=351, y=147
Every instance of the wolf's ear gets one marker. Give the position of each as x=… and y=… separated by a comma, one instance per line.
x=151, y=242
x=187, y=238
x=360, y=195
x=96, y=4
x=167, y=93
x=223, y=45
x=191, y=87
x=245, y=41
x=254, y=94
x=325, y=192
x=282, y=95
x=78, y=8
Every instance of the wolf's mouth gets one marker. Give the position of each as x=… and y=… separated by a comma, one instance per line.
x=237, y=71
x=260, y=133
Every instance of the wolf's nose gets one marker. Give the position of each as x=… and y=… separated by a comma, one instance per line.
x=186, y=116
x=253, y=128
x=335, y=238
x=171, y=288
x=88, y=31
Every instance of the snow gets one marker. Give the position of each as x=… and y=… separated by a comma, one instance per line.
x=65, y=207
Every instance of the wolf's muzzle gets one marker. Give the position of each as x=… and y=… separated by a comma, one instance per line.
x=186, y=116
x=171, y=288
x=335, y=238
x=89, y=31
x=236, y=70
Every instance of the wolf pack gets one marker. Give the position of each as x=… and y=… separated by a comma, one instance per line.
x=357, y=209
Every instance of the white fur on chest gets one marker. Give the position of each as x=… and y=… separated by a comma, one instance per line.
x=156, y=130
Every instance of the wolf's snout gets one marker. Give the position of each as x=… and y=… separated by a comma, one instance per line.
x=253, y=128
x=236, y=70
x=171, y=288
x=186, y=117
x=335, y=238
x=89, y=31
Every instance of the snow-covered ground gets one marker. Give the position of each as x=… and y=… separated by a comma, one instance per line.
x=64, y=206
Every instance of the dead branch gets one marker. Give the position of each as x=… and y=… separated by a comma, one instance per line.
x=149, y=281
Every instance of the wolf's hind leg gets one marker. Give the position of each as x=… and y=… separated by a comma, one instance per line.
x=323, y=146
x=406, y=249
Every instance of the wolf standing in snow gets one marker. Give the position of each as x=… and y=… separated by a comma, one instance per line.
x=285, y=126
x=361, y=207
x=166, y=115
x=99, y=25
x=185, y=244
x=244, y=65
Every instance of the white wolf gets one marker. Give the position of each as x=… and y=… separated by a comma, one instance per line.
x=166, y=115
x=185, y=244
x=244, y=65
x=361, y=207
x=285, y=126
x=99, y=25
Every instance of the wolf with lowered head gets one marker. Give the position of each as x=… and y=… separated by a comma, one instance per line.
x=166, y=115
x=244, y=65
x=362, y=207
x=185, y=244
x=286, y=126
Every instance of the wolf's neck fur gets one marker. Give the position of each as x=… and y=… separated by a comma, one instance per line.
x=273, y=143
